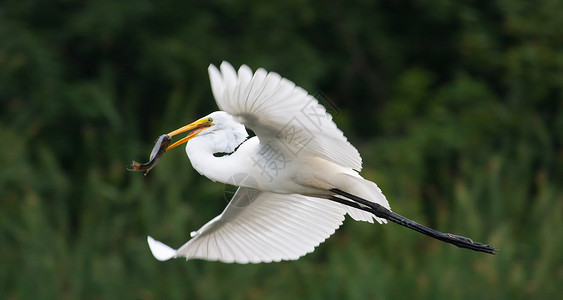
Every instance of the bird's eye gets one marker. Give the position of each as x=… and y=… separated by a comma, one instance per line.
x=210, y=120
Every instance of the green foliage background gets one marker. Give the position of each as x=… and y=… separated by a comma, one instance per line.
x=454, y=105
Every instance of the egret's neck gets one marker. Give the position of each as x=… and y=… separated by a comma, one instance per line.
x=200, y=151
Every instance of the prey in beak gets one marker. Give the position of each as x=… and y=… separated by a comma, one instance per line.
x=162, y=144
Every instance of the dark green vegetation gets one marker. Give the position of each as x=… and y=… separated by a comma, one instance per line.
x=456, y=109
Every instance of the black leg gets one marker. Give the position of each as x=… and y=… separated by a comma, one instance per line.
x=384, y=213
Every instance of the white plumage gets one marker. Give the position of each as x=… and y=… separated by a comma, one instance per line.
x=285, y=172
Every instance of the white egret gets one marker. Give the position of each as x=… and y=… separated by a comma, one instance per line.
x=298, y=177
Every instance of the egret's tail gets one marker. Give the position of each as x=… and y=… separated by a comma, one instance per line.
x=367, y=190
x=159, y=250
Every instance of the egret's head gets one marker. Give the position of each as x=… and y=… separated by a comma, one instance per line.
x=220, y=123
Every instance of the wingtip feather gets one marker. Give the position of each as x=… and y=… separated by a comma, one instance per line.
x=159, y=250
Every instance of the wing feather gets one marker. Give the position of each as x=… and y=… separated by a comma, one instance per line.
x=260, y=227
x=275, y=108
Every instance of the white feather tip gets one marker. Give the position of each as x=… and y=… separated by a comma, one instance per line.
x=159, y=250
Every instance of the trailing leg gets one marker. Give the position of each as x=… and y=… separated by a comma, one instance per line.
x=382, y=212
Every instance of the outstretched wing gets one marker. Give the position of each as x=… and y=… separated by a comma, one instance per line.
x=274, y=108
x=260, y=227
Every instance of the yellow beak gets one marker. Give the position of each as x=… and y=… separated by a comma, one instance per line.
x=195, y=128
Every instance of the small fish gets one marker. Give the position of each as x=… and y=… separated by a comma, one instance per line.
x=157, y=151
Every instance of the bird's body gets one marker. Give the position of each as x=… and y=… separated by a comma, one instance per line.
x=287, y=174
x=271, y=167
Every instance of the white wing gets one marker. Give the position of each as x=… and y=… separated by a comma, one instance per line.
x=274, y=108
x=260, y=227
